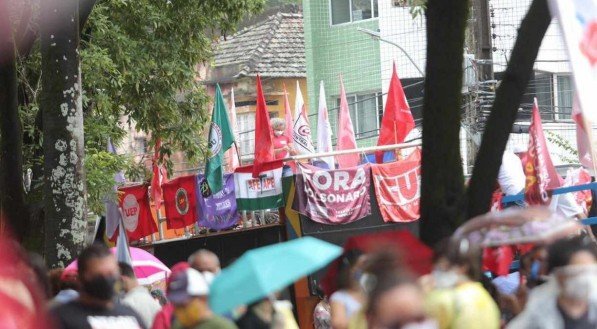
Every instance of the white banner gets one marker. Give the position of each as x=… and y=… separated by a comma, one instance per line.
x=301, y=132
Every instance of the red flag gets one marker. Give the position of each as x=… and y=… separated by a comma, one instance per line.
x=180, y=202
x=397, y=119
x=498, y=260
x=346, y=138
x=264, y=145
x=136, y=212
x=159, y=177
x=539, y=170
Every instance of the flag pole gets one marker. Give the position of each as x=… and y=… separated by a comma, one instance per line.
x=237, y=153
x=352, y=151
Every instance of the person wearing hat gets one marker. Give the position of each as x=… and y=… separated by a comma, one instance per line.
x=188, y=292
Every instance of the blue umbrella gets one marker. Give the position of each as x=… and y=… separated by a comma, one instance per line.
x=262, y=271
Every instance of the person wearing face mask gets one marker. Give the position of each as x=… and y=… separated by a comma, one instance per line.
x=457, y=300
x=397, y=302
x=95, y=307
x=204, y=260
x=137, y=296
x=568, y=300
x=282, y=143
x=188, y=292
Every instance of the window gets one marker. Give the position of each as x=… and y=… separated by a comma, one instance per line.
x=544, y=92
x=564, y=96
x=246, y=128
x=345, y=11
x=554, y=94
x=365, y=111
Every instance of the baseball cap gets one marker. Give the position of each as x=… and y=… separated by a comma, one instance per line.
x=187, y=284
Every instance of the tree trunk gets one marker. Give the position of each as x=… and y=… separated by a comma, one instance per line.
x=507, y=100
x=64, y=189
x=13, y=210
x=442, y=186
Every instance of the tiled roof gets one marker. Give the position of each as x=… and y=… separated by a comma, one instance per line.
x=273, y=48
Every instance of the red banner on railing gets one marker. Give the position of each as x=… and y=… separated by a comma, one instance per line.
x=398, y=188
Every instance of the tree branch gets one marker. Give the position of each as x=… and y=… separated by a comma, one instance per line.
x=507, y=100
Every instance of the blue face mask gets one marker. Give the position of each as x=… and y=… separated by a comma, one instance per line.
x=535, y=267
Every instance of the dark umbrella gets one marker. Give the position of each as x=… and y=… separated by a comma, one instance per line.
x=415, y=254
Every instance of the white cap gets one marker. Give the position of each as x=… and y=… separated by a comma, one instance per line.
x=189, y=283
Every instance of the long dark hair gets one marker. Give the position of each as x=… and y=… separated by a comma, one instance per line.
x=347, y=261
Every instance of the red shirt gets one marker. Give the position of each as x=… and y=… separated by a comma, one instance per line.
x=280, y=142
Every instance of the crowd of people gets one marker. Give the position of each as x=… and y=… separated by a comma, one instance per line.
x=555, y=287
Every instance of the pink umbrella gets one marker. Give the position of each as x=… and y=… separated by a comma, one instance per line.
x=148, y=269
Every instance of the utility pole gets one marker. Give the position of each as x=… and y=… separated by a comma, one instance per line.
x=482, y=33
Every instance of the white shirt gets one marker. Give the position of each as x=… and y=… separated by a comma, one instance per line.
x=141, y=301
x=351, y=305
x=511, y=176
x=565, y=205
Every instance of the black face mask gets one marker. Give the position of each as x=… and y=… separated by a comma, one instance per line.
x=100, y=287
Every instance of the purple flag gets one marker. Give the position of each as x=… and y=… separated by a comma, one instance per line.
x=332, y=197
x=217, y=211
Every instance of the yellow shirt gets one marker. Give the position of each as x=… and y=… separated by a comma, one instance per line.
x=467, y=306
x=358, y=320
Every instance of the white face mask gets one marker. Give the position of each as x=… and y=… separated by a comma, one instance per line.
x=427, y=324
x=578, y=287
x=580, y=281
x=445, y=279
x=278, y=132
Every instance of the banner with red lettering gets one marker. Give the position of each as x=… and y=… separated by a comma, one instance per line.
x=180, y=202
x=541, y=175
x=398, y=188
x=136, y=213
x=338, y=196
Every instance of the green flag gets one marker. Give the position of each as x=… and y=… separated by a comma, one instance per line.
x=220, y=140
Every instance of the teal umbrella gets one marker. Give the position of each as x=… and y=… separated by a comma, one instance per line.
x=262, y=271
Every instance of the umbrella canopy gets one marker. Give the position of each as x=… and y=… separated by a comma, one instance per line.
x=517, y=226
x=416, y=255
x=148, y=269
x=263, y=271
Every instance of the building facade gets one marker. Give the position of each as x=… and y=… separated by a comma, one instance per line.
x=273, y=48
x=334, y=48
x=342, y=37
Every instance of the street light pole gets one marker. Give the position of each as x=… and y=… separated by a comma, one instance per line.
x=376, y=35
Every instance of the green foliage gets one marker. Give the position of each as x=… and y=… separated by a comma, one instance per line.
x=571, y=155
x=138, y=62
x=417, y=7
x=147, y=51
x=101, y=182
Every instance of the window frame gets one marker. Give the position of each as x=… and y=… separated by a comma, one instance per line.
x=246, y=136
x=353, y=99
x=352, y=21
x=556, y=97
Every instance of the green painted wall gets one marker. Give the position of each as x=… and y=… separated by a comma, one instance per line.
x=336, y=50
